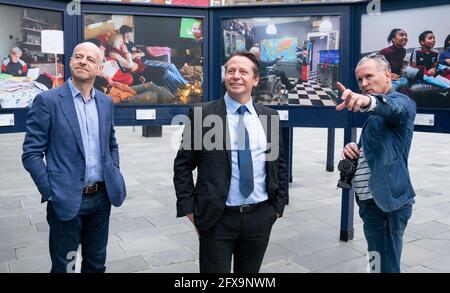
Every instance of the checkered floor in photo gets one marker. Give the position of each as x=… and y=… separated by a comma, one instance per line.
x=307, y=93
x=310, y=93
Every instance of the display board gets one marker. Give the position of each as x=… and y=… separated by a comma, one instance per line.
x=149, y=60
x=290, y=50
x=419, y=65
x=32, y=39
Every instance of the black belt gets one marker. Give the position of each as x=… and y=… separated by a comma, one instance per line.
x=93, y=188
x=247, y=208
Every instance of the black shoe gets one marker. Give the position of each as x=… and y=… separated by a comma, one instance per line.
x=292, y=90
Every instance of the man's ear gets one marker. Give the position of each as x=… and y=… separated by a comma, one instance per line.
x=99, y=68
x=388, y=75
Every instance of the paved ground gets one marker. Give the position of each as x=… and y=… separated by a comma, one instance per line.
x=145, y=235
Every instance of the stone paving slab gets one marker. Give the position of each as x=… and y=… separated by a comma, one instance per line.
x=4, y=268
x=129, y=264
x=283, y=266
x=39, y=264
x=153, y=232
x=39, y=249
x=438, y=265
x=14, y=221
x=326, y=257
x=169, y=257
x=7, y=255
x=185, y=267
x=144, y=246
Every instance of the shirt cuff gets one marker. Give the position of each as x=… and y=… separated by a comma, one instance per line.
x=373, y=104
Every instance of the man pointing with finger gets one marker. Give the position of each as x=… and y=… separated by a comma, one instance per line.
x=381, y=181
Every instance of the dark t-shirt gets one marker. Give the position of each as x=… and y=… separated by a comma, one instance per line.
x=395, y=58
x=421, y=58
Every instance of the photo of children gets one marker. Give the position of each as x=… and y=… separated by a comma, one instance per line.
x=298, y=56
x=418, y=53
x=148, y=60
x=28, y=54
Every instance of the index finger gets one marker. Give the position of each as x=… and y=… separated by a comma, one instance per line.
x=341, y=87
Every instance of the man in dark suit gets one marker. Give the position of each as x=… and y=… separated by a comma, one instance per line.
x=73, y=128
x=241, y=186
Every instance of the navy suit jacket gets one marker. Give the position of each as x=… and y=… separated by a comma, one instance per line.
x=53, y=132
x=207, y=198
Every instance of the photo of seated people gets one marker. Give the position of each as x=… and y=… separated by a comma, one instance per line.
x=32, y=58
x=418, y=53
x=148, y=60
x=298, y=57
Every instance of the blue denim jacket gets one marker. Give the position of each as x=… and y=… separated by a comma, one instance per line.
x=386, y=139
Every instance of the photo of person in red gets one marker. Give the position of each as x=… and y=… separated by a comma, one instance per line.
x=396, y=53
x=14, y=65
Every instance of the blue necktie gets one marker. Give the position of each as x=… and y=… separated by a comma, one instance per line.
x=244, y=156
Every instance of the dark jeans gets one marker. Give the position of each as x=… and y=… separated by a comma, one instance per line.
x=89, y=228
x=384, y=233
x=244, y=235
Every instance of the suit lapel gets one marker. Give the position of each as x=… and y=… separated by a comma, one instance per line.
x=68, y=108
x=362, y=130
x=221, y=110
x=101, y=110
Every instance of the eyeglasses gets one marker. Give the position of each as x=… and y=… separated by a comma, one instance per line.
x=379, y=57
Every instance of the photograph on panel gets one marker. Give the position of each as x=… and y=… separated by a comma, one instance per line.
x=148, y=60
x=418, y=52
x=32, y=52
x=298, y=56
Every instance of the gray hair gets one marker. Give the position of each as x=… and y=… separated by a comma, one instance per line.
x=16, y=51
x=380, y=60
x=254, y=50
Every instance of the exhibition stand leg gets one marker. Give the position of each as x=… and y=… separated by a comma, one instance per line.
x=330, y=150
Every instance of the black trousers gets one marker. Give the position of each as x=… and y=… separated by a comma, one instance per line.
x=242, y=235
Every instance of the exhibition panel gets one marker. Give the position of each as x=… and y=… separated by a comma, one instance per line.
x=416, y=53
x=162, y=59
x=33, y=56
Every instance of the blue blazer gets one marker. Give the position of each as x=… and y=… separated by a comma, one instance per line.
x=53, y=132
x=386, y=138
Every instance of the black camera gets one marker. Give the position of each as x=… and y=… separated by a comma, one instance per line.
x=347, y=168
